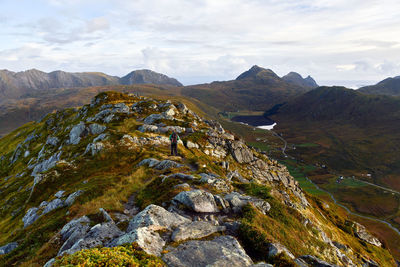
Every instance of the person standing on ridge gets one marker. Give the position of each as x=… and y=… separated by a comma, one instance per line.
x=174, y=138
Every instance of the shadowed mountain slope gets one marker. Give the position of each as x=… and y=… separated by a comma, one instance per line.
x=389, y=86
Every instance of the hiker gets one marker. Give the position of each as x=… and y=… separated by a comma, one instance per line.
x=174, y=138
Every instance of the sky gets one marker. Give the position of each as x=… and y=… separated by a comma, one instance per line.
x=337, y=42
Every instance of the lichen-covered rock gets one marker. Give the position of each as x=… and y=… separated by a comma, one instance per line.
x=156, y=216
x=240, y=152
x=59, y=194
x=8, y=248
x=71, y=198
x=148, y=128
x=30, y=217
x=55, y=204
x=76, y=133
x=95, y=128
x=195, y=230
x=223, y=251
x=46, y=164
x=160, y=165
x=197, y=200
x=72, y=232
x=361, y=232
x=98, y=235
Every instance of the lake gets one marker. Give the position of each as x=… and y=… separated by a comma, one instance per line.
x=256, y=121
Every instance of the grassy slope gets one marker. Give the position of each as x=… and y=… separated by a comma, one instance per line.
x=112, y=176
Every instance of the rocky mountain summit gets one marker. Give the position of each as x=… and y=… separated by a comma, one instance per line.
x=97, y=185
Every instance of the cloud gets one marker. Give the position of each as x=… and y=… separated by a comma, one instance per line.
x=205, y=40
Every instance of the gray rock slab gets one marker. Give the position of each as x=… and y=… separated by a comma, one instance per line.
x=223, y=251
x=8, y=248
x=195, y=230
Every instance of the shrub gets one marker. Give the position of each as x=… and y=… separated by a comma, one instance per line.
x=128, y=255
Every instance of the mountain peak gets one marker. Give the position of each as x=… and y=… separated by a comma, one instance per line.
x=148, y=76
x=296, y=79
x=257, y=71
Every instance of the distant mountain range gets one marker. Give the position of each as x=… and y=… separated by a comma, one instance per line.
x=389, y=86
x=255, y=89
x=25, y=83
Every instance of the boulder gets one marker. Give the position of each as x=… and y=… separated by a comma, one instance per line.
x=154, y=215
x=8, y=248
x=315, y=262
x=195, y=230
x=148, y=239
x=222, y=251
x=262, y=264
x=197, y=200
x=30, y=217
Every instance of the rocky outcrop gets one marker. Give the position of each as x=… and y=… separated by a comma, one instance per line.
x=361, y=232
x=221, y=251
x=154, y=215
x=160, y=165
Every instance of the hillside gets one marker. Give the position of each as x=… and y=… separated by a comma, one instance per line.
x=255, y=89
x=29, y=83
x=96, y=185
x=389, y=86
x=359, y=131
x=351, y=133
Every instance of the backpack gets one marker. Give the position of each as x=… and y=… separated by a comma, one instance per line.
x=174, y=138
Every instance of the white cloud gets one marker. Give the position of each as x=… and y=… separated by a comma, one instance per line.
x=205, y=40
